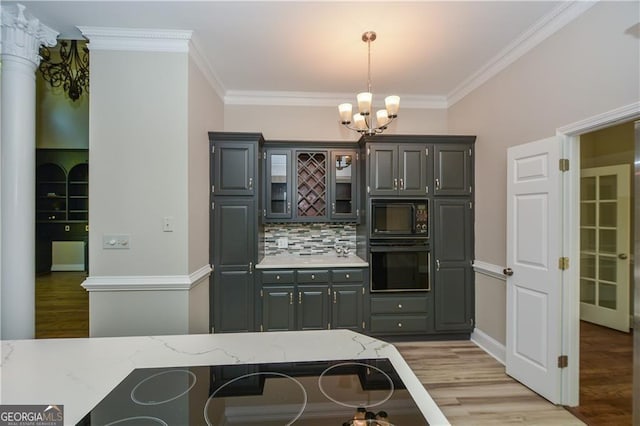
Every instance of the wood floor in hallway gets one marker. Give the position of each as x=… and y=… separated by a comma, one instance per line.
x=469, y=385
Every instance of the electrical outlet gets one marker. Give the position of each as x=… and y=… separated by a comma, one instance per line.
x=283, y=242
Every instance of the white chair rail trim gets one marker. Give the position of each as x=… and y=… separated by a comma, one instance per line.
x=489, y=269
x=147, y=282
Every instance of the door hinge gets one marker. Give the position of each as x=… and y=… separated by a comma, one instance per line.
x=563, y=263
x=470, y=205
x=213, y=330
x=564, y=164
x=563, y=361
x=471, y=322
x=470, y=189
x=357, y=212
x=426, y=189
x=368, y=189
x=357, y=156
x=426, y=151
x=368, y=151
x=213, y=149
x=213, y=205
x=470, y=152
x=213, y=189
x=363, y=291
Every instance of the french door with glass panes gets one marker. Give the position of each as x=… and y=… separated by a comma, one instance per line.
x=604, y=246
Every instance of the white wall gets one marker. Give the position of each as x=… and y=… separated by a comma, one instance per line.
x=322, y=123
x=139, y=161
x=205, y=114
x=589, y=67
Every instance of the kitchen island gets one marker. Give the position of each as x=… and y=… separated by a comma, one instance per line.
x=79, y=373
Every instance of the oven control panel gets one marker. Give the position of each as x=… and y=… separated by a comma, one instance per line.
x=422, y=219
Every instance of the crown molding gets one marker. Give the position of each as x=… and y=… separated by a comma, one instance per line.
x=606, y=119
x=147, y=282
x=536, y=34
x=138, y=40
x=320, y=99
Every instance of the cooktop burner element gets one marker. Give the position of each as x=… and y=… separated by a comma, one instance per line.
x=339, y=392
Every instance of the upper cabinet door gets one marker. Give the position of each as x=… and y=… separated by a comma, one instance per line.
x=383, y=169
x=343, y=178
x=412, y=177
x=453, y=169
x=234, y=170
x=278, y=184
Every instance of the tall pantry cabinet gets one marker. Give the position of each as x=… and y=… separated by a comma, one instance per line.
x=234, y=229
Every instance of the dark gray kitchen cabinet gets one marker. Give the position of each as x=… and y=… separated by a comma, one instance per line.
x=453, y=169
x=233, y=230
x=313, y=307
x=453, y=253
x=398, y=169
x=278, y=308
x=344, y=185
x=401, y=313
x=347, y=308
x=233, y=255
x=310, y=299
x=314, y=184
x=278, y=187
x=234, y=170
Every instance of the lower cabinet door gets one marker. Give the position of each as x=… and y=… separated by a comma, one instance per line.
x=313, y=307
x=278, y=308
x=233, y=308
x=347, y=307
x=454, y=299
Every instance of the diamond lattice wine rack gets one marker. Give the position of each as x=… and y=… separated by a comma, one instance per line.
x=312, y=184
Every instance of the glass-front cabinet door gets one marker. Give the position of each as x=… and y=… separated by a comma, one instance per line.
x=278, y=185
x=343, y=185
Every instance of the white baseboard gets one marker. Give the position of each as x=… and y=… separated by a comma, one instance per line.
x=67, y=267
x=490, y=345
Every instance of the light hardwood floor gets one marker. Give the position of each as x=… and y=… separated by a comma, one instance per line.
x=469, y=385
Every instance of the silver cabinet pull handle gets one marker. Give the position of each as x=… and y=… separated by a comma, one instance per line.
x=437, y=264
x=335, y=298
x=437, y=184
x=395, y=184
x=401, y=184
x=291, y=298
x=622, y=256
x=299, y=298
x=507, y=271
x=333, y=208
x=313, y=277
x=250, y=183
x=251, y=267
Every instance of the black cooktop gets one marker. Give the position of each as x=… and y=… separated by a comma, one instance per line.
x=347, y=392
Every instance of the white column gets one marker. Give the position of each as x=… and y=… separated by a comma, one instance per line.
x=21, y=39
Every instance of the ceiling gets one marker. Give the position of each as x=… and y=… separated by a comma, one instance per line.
x=427, y=52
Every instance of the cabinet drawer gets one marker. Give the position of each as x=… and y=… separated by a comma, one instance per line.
x=277, y=277
x=399, y=323
x=347, y=275
x=313, y=276
x=399, y=304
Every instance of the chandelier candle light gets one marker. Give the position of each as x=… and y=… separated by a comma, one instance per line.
x=363, y=122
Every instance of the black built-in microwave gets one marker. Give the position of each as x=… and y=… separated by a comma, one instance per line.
x=397, y=218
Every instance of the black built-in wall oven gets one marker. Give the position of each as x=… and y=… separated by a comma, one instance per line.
x=399, y=248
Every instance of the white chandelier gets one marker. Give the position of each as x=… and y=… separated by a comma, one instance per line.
x=363, y=121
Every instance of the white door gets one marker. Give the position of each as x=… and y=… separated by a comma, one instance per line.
x=604, y=246
x=534, y=208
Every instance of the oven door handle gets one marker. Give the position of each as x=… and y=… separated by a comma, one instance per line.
x=396, y=248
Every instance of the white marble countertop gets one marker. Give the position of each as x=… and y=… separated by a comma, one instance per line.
x=311, y=261
x=78, y=373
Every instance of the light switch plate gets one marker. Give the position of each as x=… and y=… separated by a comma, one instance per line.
x=115, y=242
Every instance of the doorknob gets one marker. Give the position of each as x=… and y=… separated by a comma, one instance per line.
x=622, y=256
x=507, y=271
